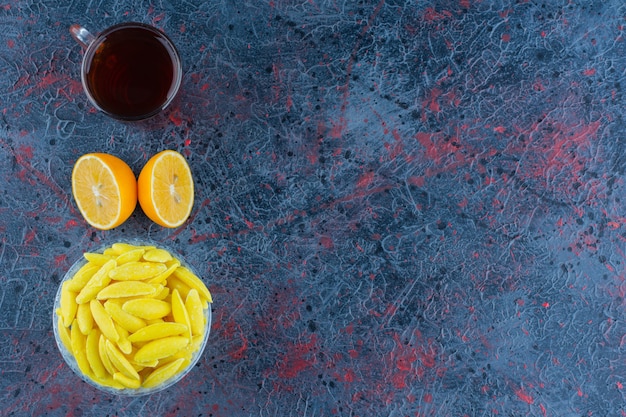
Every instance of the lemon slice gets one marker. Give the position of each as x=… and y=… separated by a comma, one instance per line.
x=105, y=190
x=166, y=190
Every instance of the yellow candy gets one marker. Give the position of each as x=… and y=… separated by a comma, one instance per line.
x=158, y=279
x=157, y=331
x=111, y=252
x=161, y=348
x=68, y=305
x=193, y=304
x=87, y=294
x=64, y=334
x=124, y=289
x=147, y=308
x=189, y=278
x=180, y=312
x=93, y=354
x=151, y=364
x=188, y=351
x=119, y=361
x=126, y=381
x=84, y=318
x=104, y=355
x=133, y=255
x=78, y=342
x=82, y=276
x=162, y=295
x=157, y=255
x=136, y=271
x=103, y=320
x=176, y=284
x=123, y=343
x=109, y=382
x=120, y=247
x=124, y=319
x=96, y=258
x=132, y=314
x=98, y=281
x=196, y=341
x=163, y=373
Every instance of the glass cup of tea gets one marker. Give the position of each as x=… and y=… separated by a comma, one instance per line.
x=130, y=71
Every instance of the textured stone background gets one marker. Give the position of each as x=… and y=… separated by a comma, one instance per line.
x=403, y=208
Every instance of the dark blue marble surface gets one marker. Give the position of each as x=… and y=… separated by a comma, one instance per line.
x=402, y=208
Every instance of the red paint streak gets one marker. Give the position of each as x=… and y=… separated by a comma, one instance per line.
x=505, y=13
x=71, y=223
x=428, y=357
x=298, y=358
x=349, y=376
x=432, y=102
x=327, y=242
x=398, y=380
x=26, y=151
x=417, y=181
x=365, y=180
x=176, y=118
x=277, y=77
x=240, y=352
x=465, y=4
x=506, y=37
x=313, y=151
x=436, y=147
x=47, y=81
x=197, y=238
x=337, y=130
x=403, y=357
x=21, y=82
x=396, y=135
x=431, y=15
x=397, y=148
x=51, y=79
x=30, y=236
x=428, y=398
x=522, y=395
x=59, y=260
x=589, y=72
x=11, y=43
x=157, y=19
x=562, y=151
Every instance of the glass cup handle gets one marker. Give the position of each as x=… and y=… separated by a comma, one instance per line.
x=81, y=35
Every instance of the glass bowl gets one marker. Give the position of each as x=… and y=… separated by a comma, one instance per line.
x=70, y=358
